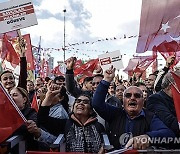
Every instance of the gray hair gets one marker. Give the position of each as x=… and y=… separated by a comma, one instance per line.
x=168, y=79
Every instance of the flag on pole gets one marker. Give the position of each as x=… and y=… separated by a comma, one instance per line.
x=38, y=59
x=35, y=103
x=11, y=117
x=176, y=95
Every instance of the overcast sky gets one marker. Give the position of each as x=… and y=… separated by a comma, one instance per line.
x=86, y=21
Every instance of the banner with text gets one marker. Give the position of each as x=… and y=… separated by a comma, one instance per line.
x=16, y=14
x=112, y=58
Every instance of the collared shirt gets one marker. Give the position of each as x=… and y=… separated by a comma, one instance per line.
x=130, y=122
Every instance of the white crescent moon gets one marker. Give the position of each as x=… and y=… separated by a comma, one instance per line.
x=175, y=38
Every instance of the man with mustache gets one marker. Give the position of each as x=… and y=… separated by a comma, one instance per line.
x=132, y=119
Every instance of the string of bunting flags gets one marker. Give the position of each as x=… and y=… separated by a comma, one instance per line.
x=70, y=47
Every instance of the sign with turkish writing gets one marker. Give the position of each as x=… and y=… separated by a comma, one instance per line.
x=16, y=14
x=112, y=58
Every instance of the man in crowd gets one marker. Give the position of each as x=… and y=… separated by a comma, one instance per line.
x=133, y=119
x=162, y=104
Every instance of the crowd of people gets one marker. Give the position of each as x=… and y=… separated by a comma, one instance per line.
x=131, y=112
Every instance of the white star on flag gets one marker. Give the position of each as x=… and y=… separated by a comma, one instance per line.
x=165, y=27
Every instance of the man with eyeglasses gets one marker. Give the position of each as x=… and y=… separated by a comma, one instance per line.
x=131, y=120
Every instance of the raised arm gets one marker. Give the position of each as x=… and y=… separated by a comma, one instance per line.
x=52, y=125
x=23, y=63
x=71, y=84
x=106, y=111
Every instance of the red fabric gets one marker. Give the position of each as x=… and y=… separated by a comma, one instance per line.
x=131, y=66
x=8, y=52
x=131, y=152
x=44, y=69
x=35, y=103
x=176, y=94
x=159, y=22
x=155, y=62
x=139, y=64
x=87, y=68
x=167, y=49
x=28, y=50
x=144, y=63
x=10, y=119
x=78, y=64
x=56, y=71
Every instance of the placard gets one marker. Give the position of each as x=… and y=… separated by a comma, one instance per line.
x=16, y=14
x=112, y=58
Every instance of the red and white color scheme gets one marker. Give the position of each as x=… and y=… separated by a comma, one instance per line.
x=16, y=14
x=87, y=68
x=176, y=95
x=139, y=64
x=10, y=116
x=160, y=21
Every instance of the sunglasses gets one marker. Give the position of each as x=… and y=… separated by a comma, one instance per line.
x=136, y=95
x=85, y=101
x=95, y=83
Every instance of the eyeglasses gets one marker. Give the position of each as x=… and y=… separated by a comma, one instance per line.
x=136, y=95
x=85, y=101
x=95, y=83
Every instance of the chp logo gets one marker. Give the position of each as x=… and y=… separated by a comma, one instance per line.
x=124, y=138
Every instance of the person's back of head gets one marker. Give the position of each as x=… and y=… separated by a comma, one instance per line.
x=167, y=81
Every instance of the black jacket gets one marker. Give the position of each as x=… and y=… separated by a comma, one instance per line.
x=72, y=87
x=163, y=106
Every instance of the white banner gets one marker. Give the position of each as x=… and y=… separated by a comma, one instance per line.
x=16, y=14
x=112, y=58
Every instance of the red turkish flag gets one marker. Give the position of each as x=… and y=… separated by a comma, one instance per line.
x=145, y=61
x=139, y=64
x=11, y=117
x=87, y=68
x=56, y=71
x=131, y=66
x=167, y=49
x=176, y=95
x=160, y=21
x=35, y=103
x=78, y=64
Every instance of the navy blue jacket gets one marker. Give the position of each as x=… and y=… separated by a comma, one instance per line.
x=111, y=114
x=163, y=106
